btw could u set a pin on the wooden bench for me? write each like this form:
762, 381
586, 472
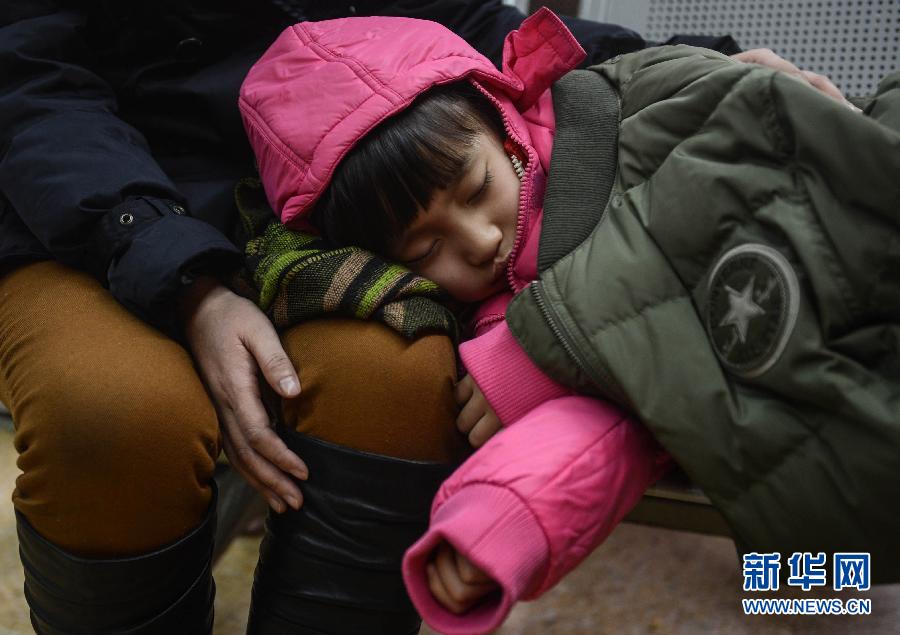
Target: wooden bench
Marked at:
676, 503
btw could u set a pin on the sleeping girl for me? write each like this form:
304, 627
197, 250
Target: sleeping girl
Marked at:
396, 136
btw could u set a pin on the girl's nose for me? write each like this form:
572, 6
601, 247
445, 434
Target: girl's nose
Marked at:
483, 243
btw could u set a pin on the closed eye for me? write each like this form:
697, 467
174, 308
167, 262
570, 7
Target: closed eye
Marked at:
423, 257
488, 177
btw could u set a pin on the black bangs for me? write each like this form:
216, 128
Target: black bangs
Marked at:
382, 183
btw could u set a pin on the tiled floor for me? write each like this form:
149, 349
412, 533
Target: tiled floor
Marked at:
641, 581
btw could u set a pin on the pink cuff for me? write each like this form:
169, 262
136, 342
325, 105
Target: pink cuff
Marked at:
496, 530
510, 381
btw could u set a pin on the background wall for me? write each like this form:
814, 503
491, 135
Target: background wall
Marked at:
854, 42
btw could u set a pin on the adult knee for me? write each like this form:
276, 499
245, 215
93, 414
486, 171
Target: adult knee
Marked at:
116, 464
365, 386
117, 438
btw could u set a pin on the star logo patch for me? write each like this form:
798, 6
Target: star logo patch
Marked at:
742, 309
753, 299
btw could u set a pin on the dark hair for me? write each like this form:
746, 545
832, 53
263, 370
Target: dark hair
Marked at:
380, 185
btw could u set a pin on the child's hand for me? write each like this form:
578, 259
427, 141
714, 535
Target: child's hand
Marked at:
476, 419
455, 582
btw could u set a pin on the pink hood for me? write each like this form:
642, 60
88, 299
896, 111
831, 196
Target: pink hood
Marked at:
322, 86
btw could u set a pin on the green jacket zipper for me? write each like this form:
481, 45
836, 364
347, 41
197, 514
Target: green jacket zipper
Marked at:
598, 375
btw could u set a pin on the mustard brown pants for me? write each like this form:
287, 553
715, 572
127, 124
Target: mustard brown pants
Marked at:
117, 438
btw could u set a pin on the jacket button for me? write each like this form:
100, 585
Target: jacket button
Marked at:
178, 209
126, 219
616, 200
188, 50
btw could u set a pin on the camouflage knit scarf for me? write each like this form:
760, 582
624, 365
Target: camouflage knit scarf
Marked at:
295, 276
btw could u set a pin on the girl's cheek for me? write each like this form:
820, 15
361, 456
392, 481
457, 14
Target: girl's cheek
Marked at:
453, 281
436, 274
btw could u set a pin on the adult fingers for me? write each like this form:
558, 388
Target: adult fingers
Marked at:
252, 463
276, 367
824, 84
268, 448
488, 425
265, 347
272, 499
768, 58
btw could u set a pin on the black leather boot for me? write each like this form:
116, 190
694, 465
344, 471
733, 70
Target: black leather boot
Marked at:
167, 592
334, 566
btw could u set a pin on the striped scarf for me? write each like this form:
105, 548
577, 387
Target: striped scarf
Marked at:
295, 276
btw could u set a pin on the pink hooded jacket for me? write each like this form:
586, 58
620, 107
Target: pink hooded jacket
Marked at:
546, 490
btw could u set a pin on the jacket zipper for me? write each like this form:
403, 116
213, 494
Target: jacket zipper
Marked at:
486, 320
605, 380
599, 376
524, 192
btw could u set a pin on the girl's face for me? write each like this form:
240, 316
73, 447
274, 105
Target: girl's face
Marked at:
463, 239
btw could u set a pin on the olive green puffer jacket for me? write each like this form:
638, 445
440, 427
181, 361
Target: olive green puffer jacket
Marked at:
721, 254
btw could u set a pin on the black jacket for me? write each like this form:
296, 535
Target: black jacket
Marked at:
120, 140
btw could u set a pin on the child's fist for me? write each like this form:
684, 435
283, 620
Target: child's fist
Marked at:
455, 582
476, 419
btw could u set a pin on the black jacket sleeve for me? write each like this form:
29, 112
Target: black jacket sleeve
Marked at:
82, 180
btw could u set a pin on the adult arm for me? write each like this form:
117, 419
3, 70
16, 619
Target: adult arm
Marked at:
85, 186
82, 180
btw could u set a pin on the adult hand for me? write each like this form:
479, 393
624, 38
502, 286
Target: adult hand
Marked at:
768, 58
455, 582
232, 341
476, 419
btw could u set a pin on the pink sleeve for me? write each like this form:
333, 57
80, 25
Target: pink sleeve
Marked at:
533, 503
510, 381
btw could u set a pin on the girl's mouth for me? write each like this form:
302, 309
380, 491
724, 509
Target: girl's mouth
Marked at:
500, 267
